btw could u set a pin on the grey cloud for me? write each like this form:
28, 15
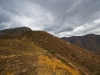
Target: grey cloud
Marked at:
56, 16
2, 26
63, 30
56, 29
91, 29
83, 12
8, 12
4, 16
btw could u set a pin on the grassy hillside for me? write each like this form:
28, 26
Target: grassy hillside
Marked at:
78, 56
40, 53
22, 57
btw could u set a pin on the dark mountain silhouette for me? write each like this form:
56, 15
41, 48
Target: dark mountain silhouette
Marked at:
15, 31
40, 53
90, 42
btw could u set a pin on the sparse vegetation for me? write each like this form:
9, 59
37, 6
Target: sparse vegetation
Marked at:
72, 55
22, 52
52, 51
80, 63
64, 61
1, 70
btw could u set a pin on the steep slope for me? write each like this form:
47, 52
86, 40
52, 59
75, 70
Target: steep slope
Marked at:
40, 53
90, 42
65, 51
23, 57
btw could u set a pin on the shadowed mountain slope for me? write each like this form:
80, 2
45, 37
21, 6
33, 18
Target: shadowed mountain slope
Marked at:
40, 53
90, 42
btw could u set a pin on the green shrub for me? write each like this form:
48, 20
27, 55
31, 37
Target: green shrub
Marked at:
64, 61
81, 63
1, 70
52, 51
72, 55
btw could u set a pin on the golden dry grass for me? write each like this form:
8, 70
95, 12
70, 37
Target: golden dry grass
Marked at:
57, 66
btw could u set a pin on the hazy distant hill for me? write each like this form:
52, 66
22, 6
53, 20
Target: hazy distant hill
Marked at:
90, 42
40, 53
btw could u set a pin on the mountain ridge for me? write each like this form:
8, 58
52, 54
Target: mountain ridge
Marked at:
36, 48
90, 42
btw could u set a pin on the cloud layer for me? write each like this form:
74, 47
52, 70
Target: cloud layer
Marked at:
59, 17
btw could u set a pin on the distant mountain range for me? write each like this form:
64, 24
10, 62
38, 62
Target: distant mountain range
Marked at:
27, 52
90, 42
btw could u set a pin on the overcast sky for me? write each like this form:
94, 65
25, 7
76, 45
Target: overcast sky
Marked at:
58, 17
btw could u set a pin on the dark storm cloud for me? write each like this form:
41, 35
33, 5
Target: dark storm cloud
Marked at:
60, 17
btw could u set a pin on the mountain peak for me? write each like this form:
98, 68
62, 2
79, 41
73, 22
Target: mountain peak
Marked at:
18, 30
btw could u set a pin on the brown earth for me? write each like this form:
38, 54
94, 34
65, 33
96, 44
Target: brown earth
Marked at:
20, 57
79, 57
40, 53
